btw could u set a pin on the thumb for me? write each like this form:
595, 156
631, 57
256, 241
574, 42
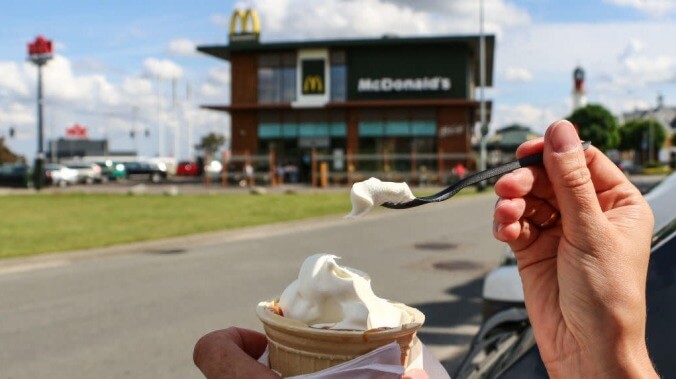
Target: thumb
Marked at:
567, 170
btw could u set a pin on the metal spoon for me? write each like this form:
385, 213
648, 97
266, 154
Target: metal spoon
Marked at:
454, 188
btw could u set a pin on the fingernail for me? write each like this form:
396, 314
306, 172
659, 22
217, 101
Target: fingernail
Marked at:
563, 137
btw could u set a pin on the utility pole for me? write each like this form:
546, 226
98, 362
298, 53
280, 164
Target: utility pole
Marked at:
39, 52
160, 131
174, 112
482, 102
186, 115
134, 127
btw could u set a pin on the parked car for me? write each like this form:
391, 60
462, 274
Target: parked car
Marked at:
629, 167
502, 286
87, 173
15, 175
60, 175
187, 168
112, 170
505, 346
144, 169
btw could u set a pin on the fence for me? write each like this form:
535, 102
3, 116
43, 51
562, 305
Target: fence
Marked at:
323, 170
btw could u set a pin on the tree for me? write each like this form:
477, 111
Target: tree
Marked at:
7, 156
211, 143
636, 133
596, 124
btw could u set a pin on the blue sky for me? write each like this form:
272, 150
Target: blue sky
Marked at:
110, 54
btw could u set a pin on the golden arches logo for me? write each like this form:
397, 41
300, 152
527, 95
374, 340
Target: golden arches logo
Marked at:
242, 17
313, 84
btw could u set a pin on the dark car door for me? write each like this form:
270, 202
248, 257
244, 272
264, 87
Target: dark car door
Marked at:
661, 324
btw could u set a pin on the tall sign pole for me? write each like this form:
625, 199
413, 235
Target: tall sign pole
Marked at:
482, 102
39, 52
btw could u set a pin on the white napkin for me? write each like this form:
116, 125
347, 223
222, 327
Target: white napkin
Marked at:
382, 363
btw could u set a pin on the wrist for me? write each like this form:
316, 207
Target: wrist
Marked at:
632, 362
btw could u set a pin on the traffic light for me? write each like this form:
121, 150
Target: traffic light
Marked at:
132, 134
11, 132
147, 133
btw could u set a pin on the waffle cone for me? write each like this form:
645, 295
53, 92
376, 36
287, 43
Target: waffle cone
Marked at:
296, 349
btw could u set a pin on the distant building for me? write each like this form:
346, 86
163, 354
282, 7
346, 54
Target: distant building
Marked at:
503, 144
64, 149
387, 97
579, 93
666, 116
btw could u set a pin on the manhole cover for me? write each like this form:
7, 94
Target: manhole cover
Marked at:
435, 246
456, 265
167, 251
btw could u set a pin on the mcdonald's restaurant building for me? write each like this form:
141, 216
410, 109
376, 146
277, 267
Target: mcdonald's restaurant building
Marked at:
380, 97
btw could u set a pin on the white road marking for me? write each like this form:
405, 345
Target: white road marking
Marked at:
32, 266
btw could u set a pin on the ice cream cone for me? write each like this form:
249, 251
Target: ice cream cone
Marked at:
296, 349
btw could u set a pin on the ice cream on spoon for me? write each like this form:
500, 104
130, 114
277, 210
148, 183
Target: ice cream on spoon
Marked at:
373, 192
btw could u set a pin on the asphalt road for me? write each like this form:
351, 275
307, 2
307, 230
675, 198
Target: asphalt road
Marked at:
139, 314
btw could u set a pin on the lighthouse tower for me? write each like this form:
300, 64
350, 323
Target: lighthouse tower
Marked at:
579, 95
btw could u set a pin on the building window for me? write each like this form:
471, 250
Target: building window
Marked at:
274, 125
398, 124
277, 78
338, 76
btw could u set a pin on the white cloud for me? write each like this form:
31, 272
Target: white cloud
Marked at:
518, 74
162, 68
106, 107
641, 68
653, 8
211, 91
17, 114
538, 118
182, 46
137, 86
220, 75
305, 19
11, 80
651, 69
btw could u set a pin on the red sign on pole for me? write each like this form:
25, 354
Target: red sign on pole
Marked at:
76, 131
40, 46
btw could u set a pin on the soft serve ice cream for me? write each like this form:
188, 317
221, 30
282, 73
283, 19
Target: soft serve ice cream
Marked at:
330, 316
372, 192
327, 295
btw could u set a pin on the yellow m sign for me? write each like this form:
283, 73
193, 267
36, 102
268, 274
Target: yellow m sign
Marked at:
313, 84
243, 18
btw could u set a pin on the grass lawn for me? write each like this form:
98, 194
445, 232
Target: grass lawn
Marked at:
34, 224
43, 223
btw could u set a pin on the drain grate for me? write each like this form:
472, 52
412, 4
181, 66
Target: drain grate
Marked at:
435, 246
167, 251
459, 265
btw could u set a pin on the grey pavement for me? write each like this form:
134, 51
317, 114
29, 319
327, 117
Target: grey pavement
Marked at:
136, 311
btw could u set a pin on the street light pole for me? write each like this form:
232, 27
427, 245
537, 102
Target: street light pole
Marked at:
482, 101
39, 52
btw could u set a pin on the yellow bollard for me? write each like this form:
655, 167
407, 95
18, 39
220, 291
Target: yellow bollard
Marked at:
324, 174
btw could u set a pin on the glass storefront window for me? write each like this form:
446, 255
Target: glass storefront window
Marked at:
338, 76
371, 129
277, 78
338, 83
423, 128
269, 130
289, 130
338, 129
398, 128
